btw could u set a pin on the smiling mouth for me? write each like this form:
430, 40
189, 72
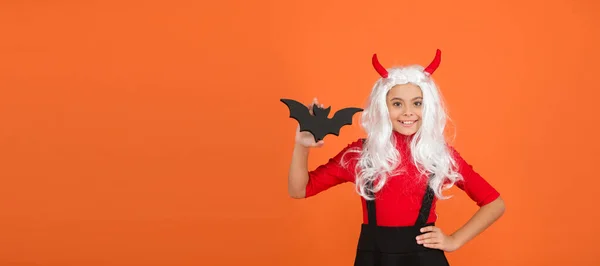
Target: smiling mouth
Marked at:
408, 123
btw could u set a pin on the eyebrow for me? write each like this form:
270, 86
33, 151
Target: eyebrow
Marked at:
398, 98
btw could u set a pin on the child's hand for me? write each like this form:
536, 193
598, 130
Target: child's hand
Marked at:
433, 237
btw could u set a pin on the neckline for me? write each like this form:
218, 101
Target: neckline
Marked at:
401, 138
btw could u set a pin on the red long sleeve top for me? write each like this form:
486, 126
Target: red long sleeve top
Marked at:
399, 201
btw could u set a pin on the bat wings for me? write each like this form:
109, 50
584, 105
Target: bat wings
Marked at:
320, 124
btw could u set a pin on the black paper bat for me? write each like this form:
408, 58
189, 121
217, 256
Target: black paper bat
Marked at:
320, 124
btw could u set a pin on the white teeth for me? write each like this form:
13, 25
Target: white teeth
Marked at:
407, 122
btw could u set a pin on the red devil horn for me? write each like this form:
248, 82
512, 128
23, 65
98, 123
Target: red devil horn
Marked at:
435, 63
380, 69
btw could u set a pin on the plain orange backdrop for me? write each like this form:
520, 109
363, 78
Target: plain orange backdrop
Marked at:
151, 132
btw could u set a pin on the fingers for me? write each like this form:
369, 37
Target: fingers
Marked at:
432, 240
436, 239
310, 106
426, 236
319, 144
434, 236
314, 102
436, 246
430, 228
317, 103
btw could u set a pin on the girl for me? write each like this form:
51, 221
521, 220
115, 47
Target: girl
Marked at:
400, 170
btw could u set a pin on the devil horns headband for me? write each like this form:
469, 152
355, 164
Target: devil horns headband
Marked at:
428, 70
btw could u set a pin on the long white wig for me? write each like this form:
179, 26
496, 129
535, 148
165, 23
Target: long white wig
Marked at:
379, 159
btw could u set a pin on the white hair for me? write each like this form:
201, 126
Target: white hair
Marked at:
379, 159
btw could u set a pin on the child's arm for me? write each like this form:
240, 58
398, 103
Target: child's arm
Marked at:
481, 220
303, 183
487, 197
491, 208
298, 174
433, 237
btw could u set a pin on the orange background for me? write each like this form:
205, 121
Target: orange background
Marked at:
146, 133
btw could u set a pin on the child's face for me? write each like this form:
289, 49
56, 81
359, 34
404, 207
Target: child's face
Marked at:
404, 104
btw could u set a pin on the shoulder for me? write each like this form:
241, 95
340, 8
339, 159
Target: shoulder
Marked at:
454, 153
356, 144
352, 149
475, 185
451, 149
458, 162
464, 168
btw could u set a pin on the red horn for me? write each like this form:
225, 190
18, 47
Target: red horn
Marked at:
435, 63
380, 69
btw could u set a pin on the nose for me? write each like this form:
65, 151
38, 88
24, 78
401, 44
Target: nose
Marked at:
407, 112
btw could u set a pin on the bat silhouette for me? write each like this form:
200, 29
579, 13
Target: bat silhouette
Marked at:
320, 124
